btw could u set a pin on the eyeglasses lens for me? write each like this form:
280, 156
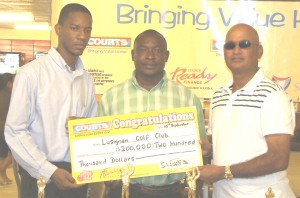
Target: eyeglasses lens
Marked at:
229, 45
242, 44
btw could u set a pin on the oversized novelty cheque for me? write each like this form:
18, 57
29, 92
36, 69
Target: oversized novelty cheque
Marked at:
150, 143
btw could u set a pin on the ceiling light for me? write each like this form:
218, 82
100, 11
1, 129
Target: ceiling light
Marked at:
33, 26
14, 17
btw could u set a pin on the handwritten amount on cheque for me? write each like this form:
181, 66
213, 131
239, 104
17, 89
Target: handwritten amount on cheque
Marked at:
123, 148
153, 145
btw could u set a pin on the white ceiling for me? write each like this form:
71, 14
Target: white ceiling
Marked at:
41, 10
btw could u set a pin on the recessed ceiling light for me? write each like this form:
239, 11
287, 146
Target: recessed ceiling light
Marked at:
33, 26
15, 17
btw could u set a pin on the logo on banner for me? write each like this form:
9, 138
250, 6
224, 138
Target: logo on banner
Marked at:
216, 45
283, 82
109, 42
91, 127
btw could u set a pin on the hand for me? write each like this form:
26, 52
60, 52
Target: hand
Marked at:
211, 173
206, 147
74, 118
64, 180
70, 118
113, 184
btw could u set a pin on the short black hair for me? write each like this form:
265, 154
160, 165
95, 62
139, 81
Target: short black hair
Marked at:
69, 8
5, 78
151, 32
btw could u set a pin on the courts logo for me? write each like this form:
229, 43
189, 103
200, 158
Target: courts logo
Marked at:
91, 127
216, 45
109, 42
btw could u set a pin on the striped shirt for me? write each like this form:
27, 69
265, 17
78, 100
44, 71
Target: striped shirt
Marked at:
248, 97
239, 122
129, 97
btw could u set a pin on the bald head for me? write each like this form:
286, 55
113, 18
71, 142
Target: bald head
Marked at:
242, 29
242, 50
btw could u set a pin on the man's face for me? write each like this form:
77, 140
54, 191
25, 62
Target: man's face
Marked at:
244, 57
74, 33
150, 55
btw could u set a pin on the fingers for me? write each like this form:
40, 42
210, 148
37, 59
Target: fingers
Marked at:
113, 184
73, 118
69, 178
70, 118
64, 180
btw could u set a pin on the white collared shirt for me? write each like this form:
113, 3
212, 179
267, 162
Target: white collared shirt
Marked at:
239, 122
45, 93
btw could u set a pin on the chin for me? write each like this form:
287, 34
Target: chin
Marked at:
78, 52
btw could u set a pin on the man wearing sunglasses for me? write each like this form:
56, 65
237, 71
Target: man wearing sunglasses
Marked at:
251, 122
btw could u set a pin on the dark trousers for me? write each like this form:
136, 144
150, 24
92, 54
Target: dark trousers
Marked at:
29, 186
133, 193
3, 146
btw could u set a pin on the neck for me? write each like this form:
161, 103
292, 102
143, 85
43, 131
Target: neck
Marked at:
69, 59
241, 79
238, 83
148, 83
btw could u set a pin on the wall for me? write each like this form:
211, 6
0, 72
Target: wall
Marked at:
25, 34
28, 42
29, 49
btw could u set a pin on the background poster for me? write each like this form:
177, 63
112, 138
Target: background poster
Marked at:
195, 32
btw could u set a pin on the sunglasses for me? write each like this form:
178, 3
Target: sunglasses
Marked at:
230, 45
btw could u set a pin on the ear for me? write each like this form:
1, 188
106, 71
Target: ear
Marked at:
167, 55
58, 28
132, 54
260, 51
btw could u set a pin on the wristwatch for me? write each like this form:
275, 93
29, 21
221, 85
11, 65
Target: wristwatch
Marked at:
228, 175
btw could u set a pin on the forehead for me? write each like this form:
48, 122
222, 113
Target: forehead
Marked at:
150, 39
79, 17
242, 32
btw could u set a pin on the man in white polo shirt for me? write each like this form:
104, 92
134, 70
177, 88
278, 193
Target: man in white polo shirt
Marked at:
252, 120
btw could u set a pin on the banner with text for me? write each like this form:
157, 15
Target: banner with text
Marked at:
195, 31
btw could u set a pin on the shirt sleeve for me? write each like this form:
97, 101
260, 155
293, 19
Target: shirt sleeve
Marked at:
201, 123
278, 116
209, 127
93, 110
101, 107
105, 104
22, 145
